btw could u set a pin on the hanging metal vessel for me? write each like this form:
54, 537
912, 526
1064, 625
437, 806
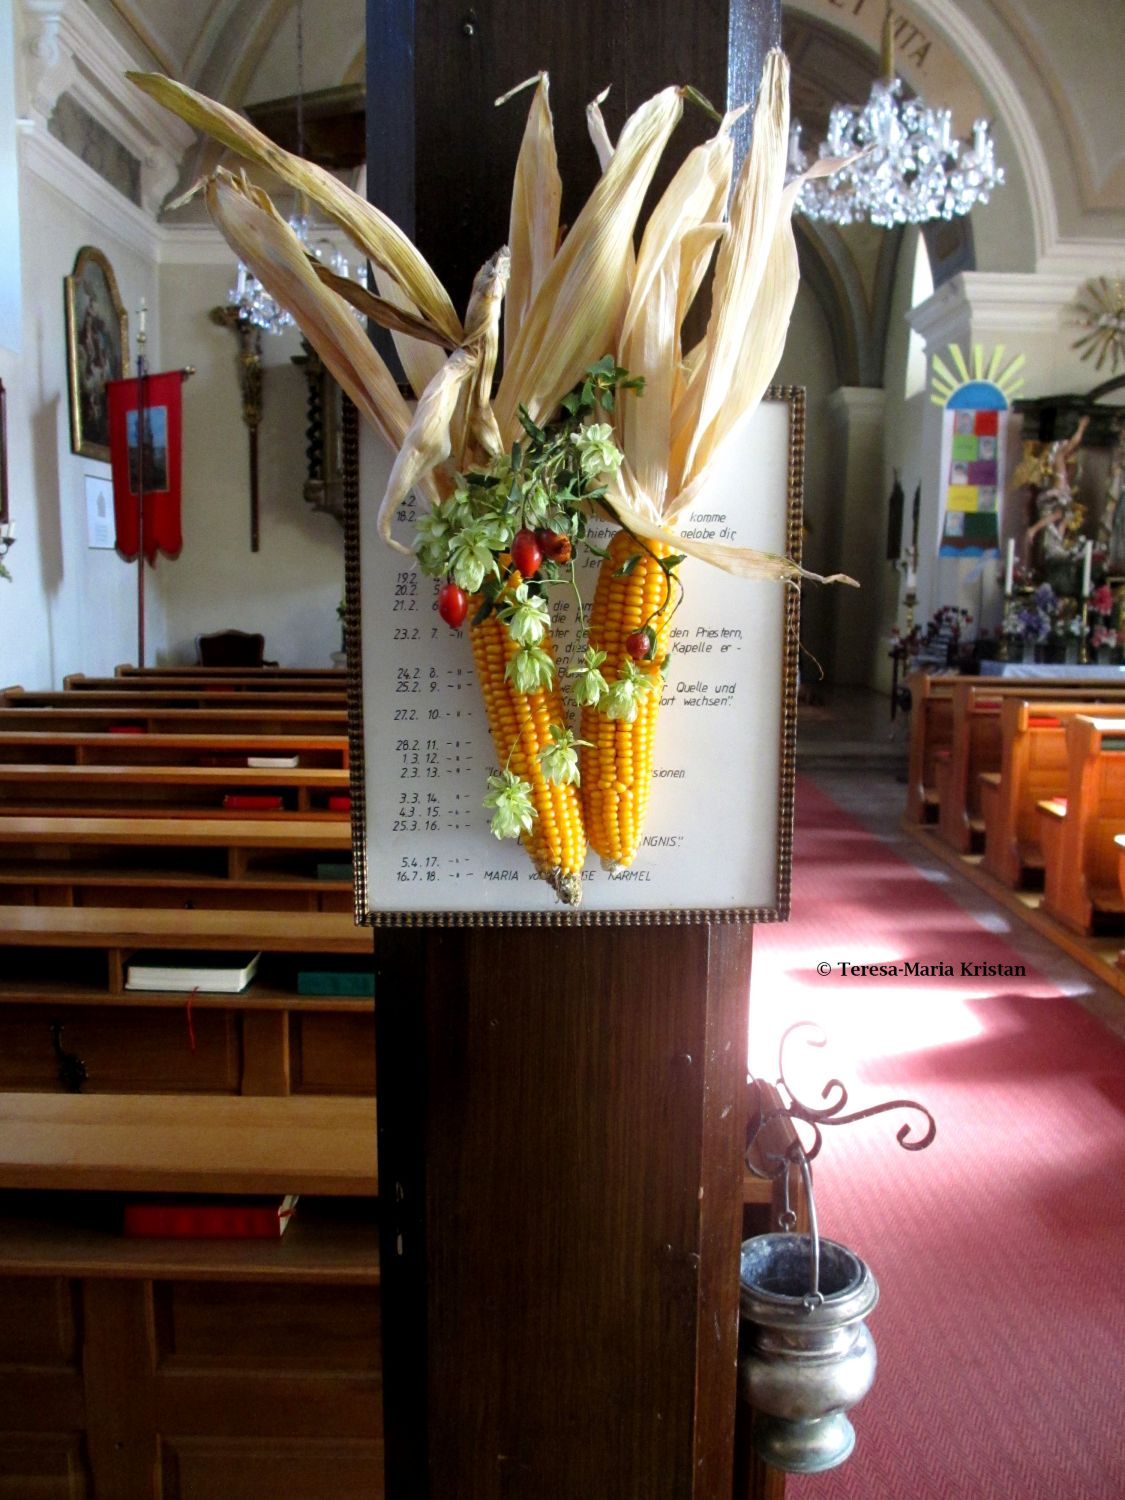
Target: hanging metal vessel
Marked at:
811, 1357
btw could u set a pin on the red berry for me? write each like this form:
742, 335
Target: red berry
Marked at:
526, 555
553, 544
453, 604
638, 645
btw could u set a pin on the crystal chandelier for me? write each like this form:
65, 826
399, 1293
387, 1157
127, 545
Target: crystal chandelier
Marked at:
253, 303
905, 166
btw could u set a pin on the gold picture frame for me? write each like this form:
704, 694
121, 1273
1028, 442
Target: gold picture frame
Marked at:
97, 349
786, 503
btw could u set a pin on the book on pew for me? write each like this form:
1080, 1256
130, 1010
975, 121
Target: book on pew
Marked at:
186, 970
274, 762
340, 803
253, 801
197, 1218
339, 977
330, 869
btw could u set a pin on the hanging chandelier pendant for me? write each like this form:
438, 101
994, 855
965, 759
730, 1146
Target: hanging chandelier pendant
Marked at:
903, 163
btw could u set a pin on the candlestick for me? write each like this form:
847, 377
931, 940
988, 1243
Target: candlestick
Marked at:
915, 518
1087, 567
1009, 566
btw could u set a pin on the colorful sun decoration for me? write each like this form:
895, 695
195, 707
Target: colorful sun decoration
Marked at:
968, 384
1100, 309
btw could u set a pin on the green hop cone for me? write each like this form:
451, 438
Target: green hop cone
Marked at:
530, 669
559, 759
509, 800
624, 696
597, 452
526, 617
590, 686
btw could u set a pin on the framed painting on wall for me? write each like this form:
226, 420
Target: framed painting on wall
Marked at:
97, 349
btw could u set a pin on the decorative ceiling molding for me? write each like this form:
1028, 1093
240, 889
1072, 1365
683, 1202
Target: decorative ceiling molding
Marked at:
66, 49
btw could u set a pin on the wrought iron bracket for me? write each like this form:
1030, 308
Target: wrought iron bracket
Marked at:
831, 1113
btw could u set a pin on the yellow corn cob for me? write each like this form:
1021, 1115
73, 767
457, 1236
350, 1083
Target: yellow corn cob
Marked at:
520, 724
617, 766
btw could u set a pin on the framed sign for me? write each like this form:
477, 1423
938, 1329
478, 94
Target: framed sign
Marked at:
97, 349
716, 843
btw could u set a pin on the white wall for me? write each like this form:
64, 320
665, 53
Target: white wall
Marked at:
69, 608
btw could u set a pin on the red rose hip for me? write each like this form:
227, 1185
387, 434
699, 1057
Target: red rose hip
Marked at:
553, 545
638, 645
453, 604
526, 555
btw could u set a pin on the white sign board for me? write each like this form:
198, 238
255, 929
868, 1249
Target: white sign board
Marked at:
101, 526
717, 828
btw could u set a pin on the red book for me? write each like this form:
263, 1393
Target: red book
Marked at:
127, 729
340, 804
209, 1218
259, 801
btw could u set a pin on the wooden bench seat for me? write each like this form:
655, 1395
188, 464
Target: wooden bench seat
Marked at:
121, 928
187, 1144
163, 698
163, 790
204, 678
263, 719
1033, 767
1078, 836
98, 747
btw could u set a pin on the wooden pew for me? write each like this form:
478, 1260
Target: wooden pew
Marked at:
243, 682
1033, 768
195, 670
99, 747
1080, 855
975, 745
931, 728
67, 968
190, 697
153, 788
270, 720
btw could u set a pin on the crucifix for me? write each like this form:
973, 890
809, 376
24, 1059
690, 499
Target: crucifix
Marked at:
250, 382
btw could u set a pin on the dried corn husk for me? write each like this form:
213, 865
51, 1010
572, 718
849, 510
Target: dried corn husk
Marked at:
262, 238
372, 233
574, 316
533, 229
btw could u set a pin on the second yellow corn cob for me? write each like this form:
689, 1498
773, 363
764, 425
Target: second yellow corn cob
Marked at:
617, 764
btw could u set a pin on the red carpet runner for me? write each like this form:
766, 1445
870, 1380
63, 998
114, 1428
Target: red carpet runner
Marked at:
1001, 1326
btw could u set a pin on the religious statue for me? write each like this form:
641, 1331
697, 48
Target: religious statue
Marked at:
1113, 513
1053, 538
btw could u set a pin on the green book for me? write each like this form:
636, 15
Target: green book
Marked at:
335, 982
334, 870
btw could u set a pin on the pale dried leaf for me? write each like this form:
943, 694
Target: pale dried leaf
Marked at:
574, 317
261, 238
533, 230
428, 442
371, 231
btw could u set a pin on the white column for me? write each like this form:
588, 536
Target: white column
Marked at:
858, 505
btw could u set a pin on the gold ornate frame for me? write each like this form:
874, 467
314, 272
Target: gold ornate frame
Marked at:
794, 397
80, 440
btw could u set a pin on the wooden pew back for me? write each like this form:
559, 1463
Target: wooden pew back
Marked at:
1083, 877
1033, 767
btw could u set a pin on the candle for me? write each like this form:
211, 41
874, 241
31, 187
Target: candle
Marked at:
1087, 565
141, 324
1009, 565
911, 578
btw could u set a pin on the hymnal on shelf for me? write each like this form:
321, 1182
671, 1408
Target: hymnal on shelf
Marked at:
172, 969
208, 1218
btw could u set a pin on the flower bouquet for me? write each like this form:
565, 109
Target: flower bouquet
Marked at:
599, 412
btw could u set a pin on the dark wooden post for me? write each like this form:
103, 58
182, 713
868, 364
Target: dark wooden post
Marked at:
560, 1112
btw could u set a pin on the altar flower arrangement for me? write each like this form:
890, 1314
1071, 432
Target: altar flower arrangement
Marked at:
599, 410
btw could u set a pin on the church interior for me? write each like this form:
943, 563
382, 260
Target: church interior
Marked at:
455, 1207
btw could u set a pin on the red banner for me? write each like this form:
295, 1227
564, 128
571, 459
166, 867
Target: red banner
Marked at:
153, 445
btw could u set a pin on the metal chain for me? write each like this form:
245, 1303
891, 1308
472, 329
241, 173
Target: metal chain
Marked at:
300, 77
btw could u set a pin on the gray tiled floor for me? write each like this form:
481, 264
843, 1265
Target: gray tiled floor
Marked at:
855, 755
